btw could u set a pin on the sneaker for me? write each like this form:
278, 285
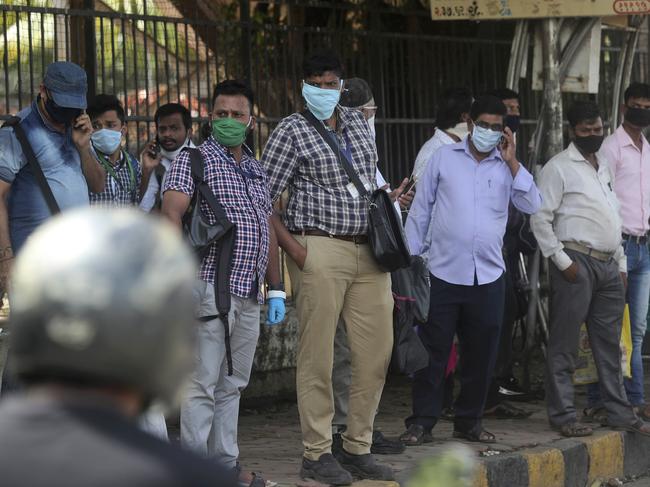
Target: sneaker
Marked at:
364, 466
383, 446
325, 470
509, 387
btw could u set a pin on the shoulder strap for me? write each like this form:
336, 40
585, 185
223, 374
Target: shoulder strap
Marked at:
329, 140
14, 123
196, 161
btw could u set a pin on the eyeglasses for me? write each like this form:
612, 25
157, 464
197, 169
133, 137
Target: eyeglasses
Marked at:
496, 127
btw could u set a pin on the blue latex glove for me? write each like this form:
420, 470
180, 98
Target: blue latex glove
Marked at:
275, 311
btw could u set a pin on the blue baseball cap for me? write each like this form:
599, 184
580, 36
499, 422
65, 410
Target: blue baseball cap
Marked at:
67, 83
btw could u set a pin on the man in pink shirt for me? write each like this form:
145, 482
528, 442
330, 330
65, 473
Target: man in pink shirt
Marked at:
628, 153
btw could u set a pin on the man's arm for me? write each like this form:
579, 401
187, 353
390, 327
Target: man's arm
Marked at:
287, 242
93, 171
417, 224
273, 268
174, 206
6, 252
148, 163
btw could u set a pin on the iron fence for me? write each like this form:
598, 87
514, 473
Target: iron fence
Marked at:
148, 55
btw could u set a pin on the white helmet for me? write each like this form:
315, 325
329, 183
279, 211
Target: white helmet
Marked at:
104, 297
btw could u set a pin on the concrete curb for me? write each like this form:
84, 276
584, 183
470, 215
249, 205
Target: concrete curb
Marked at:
569, 463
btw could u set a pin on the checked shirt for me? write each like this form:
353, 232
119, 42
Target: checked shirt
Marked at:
297, 157
123, 191
243, 192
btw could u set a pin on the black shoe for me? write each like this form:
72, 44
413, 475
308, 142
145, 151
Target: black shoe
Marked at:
509, 387
325, 470
337, 443
383, 446
364, 466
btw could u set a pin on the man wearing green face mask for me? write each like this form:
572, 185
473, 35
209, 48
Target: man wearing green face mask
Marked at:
210, 411
333, 271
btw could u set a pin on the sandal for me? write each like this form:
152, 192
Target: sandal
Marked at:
254, 480
505, 410
574, 429
639, 427
482, 436
643, 412
415, 435
594, 415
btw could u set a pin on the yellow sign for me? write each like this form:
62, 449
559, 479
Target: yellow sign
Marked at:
523, 9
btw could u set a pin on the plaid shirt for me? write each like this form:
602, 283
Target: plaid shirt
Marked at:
243, 192
297, 156
121, 190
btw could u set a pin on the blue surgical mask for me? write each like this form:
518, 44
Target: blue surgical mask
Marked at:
106, 141
321, 102
485, 139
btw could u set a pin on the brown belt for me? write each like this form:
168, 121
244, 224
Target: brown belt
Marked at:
596, 254
357, 239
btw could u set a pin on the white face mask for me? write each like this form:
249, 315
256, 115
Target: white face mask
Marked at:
171, 155
460, 130
371, 124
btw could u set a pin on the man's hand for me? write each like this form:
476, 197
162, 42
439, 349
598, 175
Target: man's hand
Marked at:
624, 279
82, 129
404, 199
275, 311
300, 256
571, 272
148, 160
508, 151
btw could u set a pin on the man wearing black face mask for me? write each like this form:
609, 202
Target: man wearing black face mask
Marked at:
579, 228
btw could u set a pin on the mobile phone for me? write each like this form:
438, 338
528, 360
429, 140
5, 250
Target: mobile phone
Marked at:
408, 187
155, 149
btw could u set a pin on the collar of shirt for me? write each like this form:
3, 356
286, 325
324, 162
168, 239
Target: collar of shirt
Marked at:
46, 123
576, 156
623, 139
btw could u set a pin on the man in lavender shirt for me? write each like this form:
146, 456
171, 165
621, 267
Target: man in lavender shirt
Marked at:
464, 195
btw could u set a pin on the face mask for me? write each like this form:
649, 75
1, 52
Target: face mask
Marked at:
460, 130
639, 117
371, 124
106, 141
171, 155
513, 122
321, 102
59, 114
485, 139
229, 132
590, 144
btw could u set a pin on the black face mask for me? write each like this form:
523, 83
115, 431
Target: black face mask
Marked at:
59, 114
590, 144
513, 122
639, 117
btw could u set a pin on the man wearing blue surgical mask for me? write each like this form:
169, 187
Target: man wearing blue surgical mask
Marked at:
464, 194
333, 272
123, 172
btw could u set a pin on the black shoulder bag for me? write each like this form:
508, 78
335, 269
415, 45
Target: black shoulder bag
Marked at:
14, 123
202, 235
385, 231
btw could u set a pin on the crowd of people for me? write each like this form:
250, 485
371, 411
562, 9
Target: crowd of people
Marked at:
102, 302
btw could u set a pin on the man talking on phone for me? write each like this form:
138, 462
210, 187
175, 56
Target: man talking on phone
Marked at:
58, 131
464, 194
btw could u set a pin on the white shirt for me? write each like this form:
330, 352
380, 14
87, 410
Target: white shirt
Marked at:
381, 182
153, 187
578, 205
439, 139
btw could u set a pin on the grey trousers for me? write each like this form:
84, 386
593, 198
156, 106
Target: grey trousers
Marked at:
153, 422
341, 378
597, 298
210, 411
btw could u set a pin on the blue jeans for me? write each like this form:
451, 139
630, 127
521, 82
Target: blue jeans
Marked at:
638, 295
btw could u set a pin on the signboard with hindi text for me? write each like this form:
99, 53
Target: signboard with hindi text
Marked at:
529, 9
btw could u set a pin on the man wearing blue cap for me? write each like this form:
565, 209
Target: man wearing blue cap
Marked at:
58, 131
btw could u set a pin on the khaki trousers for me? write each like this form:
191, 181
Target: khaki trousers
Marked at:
340, 279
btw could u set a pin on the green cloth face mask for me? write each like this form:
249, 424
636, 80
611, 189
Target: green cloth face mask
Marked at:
229, 132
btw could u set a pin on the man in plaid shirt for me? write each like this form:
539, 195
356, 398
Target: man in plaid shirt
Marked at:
210, 412
333, 272
123, 172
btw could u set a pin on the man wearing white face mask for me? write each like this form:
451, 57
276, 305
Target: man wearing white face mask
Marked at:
173, 133
464, 195
123, 172
333, 271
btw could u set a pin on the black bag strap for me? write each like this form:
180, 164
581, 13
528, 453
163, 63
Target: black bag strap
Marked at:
329, 139
198, 168
14, 123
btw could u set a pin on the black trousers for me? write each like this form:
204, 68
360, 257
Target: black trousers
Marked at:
475, 314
